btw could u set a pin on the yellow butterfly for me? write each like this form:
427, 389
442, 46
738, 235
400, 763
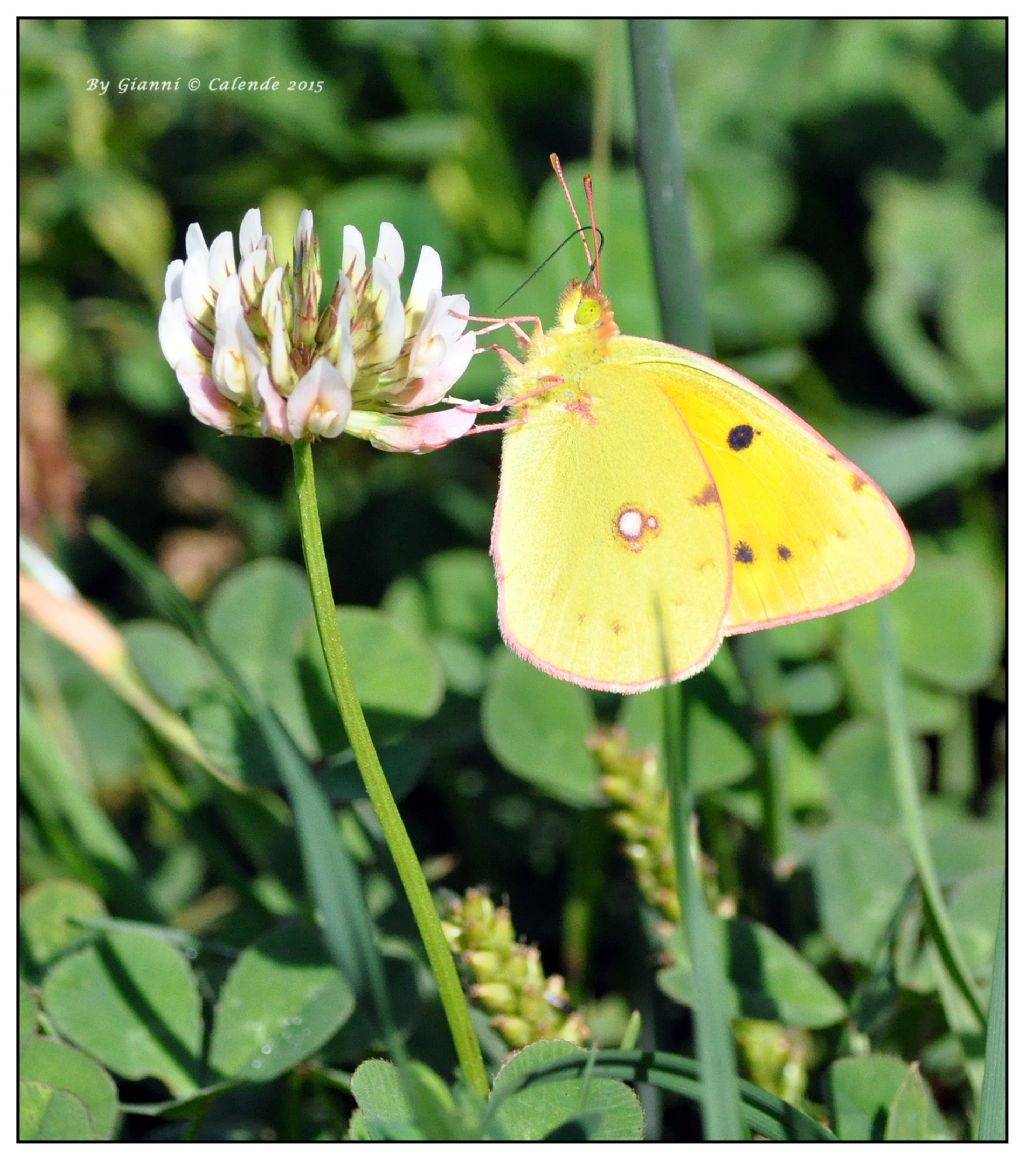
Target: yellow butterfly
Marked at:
653, 501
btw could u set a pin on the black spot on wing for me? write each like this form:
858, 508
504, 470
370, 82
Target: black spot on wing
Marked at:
741, 436
783, 552
743, 553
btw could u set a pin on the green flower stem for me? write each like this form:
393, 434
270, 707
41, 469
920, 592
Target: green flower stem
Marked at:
414, 883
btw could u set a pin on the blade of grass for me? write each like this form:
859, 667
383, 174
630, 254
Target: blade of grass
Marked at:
936, 915
684, 323
333, 879
762, 680
660, 153
75, 824
991, 1125
684, 320
716, 1050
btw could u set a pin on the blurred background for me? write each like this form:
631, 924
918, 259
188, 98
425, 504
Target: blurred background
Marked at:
849, 192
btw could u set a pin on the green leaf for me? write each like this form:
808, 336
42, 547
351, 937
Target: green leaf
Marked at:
282, 999
765, 976
224, 728
806, 640
406, 602
857, 776
259, 616
63, 1069
949, 622
385, 1113
397, 675
929, 709
914, 458
961, 843
922, 239
972, 317
973, 912
462, 592
583, 1108
552, 751
403, 761
861, 876
28, 1015
131, 222
914, 835
46, 1113
775, 299
168, 661
862, 1090
132, 1002
47, 918
812, 689
464, 664
913, 1115
394, 670
361, 1032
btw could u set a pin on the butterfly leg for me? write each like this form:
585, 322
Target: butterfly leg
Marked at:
512, 323
494, 428
506, 356
474, 407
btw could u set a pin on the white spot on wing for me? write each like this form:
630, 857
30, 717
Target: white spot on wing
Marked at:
633, 526
630, 524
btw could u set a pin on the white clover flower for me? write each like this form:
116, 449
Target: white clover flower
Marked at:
255, 354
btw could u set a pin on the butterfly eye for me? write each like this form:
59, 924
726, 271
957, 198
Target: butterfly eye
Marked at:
587, 312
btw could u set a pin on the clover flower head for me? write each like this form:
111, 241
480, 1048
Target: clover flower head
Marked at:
256, 355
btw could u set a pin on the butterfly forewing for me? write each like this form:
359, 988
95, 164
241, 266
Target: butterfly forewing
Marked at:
809, 533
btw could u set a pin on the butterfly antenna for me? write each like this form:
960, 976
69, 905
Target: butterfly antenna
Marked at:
557, 250
557, 166
588, 185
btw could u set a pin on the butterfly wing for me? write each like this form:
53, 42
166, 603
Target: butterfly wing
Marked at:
605, 543
809, 532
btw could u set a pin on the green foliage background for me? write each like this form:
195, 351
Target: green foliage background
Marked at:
848, 182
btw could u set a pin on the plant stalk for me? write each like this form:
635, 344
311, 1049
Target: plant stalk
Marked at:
377, 788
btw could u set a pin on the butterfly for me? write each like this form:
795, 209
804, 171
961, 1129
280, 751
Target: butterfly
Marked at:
653, 501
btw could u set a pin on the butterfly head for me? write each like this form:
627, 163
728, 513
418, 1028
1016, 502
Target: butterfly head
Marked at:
586, 312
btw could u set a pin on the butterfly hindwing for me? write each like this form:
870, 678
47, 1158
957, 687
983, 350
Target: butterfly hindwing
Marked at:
607, 543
